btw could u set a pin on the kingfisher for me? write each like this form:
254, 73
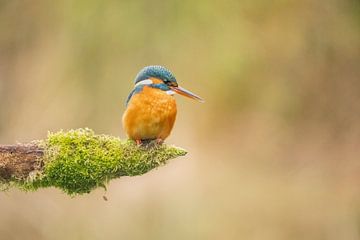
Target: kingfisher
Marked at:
151, 107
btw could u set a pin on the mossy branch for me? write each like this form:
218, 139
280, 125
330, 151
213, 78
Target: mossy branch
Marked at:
78, 161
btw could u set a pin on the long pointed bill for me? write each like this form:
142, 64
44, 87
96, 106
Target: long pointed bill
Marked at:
186, 93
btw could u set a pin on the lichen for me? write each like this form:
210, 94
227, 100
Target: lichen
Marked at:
79, 161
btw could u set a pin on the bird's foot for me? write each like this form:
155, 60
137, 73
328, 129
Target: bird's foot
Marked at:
159, 141
149, 142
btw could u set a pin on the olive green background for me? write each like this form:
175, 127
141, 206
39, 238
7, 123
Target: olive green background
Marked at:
273, 153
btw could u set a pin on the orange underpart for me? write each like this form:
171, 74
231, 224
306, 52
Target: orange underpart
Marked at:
150, 114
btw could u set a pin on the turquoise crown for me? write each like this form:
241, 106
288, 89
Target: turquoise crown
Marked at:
155, 72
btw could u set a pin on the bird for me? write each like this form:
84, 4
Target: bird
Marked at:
151, 107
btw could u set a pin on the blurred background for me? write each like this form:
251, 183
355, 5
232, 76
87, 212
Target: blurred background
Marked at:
273, 153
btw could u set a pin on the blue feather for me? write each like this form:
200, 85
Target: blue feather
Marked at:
157, 72
136, 90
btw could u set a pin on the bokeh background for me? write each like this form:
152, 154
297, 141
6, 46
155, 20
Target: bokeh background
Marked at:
273, 153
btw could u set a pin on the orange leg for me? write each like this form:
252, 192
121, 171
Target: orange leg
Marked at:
159, 141
138, 141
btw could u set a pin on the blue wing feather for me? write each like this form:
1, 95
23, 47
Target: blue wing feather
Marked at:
133, 92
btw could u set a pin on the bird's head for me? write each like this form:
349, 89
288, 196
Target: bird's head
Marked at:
163, 79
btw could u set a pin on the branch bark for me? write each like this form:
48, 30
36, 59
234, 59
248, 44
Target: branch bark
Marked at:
17, 161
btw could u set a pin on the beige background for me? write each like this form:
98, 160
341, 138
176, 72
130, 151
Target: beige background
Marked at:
273, 153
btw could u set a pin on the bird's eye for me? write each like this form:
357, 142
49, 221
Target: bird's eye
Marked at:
170, 83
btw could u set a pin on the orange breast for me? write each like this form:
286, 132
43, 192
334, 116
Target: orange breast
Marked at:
150, 114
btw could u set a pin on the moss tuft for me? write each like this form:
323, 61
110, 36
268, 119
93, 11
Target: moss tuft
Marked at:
79, 160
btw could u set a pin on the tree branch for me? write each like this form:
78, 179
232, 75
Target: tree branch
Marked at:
78, 161
17, 161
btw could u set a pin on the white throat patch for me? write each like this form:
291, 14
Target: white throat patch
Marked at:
170, 92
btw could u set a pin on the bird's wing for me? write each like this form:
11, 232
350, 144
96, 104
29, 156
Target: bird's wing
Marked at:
136, 90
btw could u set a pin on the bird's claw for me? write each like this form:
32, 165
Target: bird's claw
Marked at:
140, 142
159, 141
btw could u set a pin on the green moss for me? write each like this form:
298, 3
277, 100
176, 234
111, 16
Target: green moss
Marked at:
79, 161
